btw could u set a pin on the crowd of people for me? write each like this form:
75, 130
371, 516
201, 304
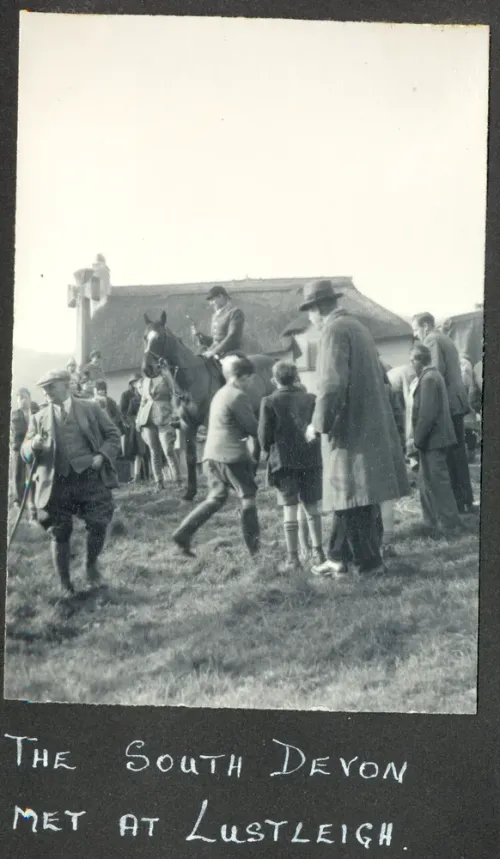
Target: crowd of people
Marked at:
353, 448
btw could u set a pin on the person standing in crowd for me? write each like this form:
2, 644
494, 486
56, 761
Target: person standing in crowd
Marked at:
227, 326
72, 369
94, 370
433, 435
76, 445
401, 379
154, 421
362, 461
387, 508
108, 404
19, 423
86, 390
227, 459
294, 465
471, 423
444, 356
133, 445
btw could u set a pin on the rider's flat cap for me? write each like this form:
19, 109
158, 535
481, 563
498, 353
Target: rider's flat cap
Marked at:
53, 376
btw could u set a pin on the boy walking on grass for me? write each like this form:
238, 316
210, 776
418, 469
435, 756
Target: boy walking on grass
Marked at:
227, 459
294, 464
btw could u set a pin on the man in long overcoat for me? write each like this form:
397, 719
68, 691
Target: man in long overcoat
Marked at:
445, 358
76, 445
363, 464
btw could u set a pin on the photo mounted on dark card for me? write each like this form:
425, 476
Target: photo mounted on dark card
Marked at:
250, 599
246, 441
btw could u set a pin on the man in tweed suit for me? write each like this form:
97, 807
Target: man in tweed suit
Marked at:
75, 444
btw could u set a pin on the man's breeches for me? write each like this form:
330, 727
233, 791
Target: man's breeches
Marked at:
83, 495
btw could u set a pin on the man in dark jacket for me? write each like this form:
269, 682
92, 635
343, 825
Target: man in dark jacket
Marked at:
433, 435
227, 459
75, 444
294, 465
445, 358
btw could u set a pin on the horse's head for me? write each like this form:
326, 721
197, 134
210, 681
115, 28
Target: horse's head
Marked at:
155, 345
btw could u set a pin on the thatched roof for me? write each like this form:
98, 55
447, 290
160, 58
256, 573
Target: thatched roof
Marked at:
117, 326
382, 323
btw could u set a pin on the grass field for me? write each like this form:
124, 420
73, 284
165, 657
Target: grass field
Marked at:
220, 630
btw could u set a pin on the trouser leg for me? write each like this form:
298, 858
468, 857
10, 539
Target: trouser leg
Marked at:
363, 536
150, 435
338, 546
445, 506
18, 476
250, 525
427, 500
458, 467
167, 441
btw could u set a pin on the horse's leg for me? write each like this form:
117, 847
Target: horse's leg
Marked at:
191, 461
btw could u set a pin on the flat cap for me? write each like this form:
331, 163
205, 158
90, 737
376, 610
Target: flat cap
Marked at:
53, 376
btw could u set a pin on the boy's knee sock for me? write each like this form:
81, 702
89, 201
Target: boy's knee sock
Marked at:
304, 537
291, 529
315, 529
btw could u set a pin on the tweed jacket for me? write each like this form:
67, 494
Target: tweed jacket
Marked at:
284, 418
156, 402
363, 462
431, 417
445, 358
95, 425
231, 421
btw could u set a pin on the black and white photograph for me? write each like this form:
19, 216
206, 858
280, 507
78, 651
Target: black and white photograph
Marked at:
246, 410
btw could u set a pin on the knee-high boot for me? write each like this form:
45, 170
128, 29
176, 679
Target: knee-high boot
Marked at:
251, 529
183, 535
95, 545
61, 560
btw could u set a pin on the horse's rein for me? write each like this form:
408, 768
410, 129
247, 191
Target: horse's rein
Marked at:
172, 372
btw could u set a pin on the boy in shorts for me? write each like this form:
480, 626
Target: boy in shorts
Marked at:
294, 465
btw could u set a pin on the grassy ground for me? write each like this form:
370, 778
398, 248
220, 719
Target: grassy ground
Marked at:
222, 631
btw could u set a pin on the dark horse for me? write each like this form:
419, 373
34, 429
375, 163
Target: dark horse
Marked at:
196, 380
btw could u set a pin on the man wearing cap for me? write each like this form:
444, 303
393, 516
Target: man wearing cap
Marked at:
363, 464
227, 326
75, 444
446, 359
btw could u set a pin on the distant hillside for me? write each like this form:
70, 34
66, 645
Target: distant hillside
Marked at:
28, 365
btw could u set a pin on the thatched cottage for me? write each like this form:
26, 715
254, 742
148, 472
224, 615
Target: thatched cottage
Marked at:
115, 323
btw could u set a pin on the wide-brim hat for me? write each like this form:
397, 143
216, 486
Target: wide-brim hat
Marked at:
53, 376
215, 291
318, 290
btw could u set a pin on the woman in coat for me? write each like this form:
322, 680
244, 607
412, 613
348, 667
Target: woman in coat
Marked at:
154, 421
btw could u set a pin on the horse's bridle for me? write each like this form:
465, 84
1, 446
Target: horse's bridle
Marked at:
173, 371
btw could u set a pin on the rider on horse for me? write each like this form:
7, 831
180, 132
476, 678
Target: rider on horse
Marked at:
226, 329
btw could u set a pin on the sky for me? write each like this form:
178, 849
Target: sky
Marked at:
192, 149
